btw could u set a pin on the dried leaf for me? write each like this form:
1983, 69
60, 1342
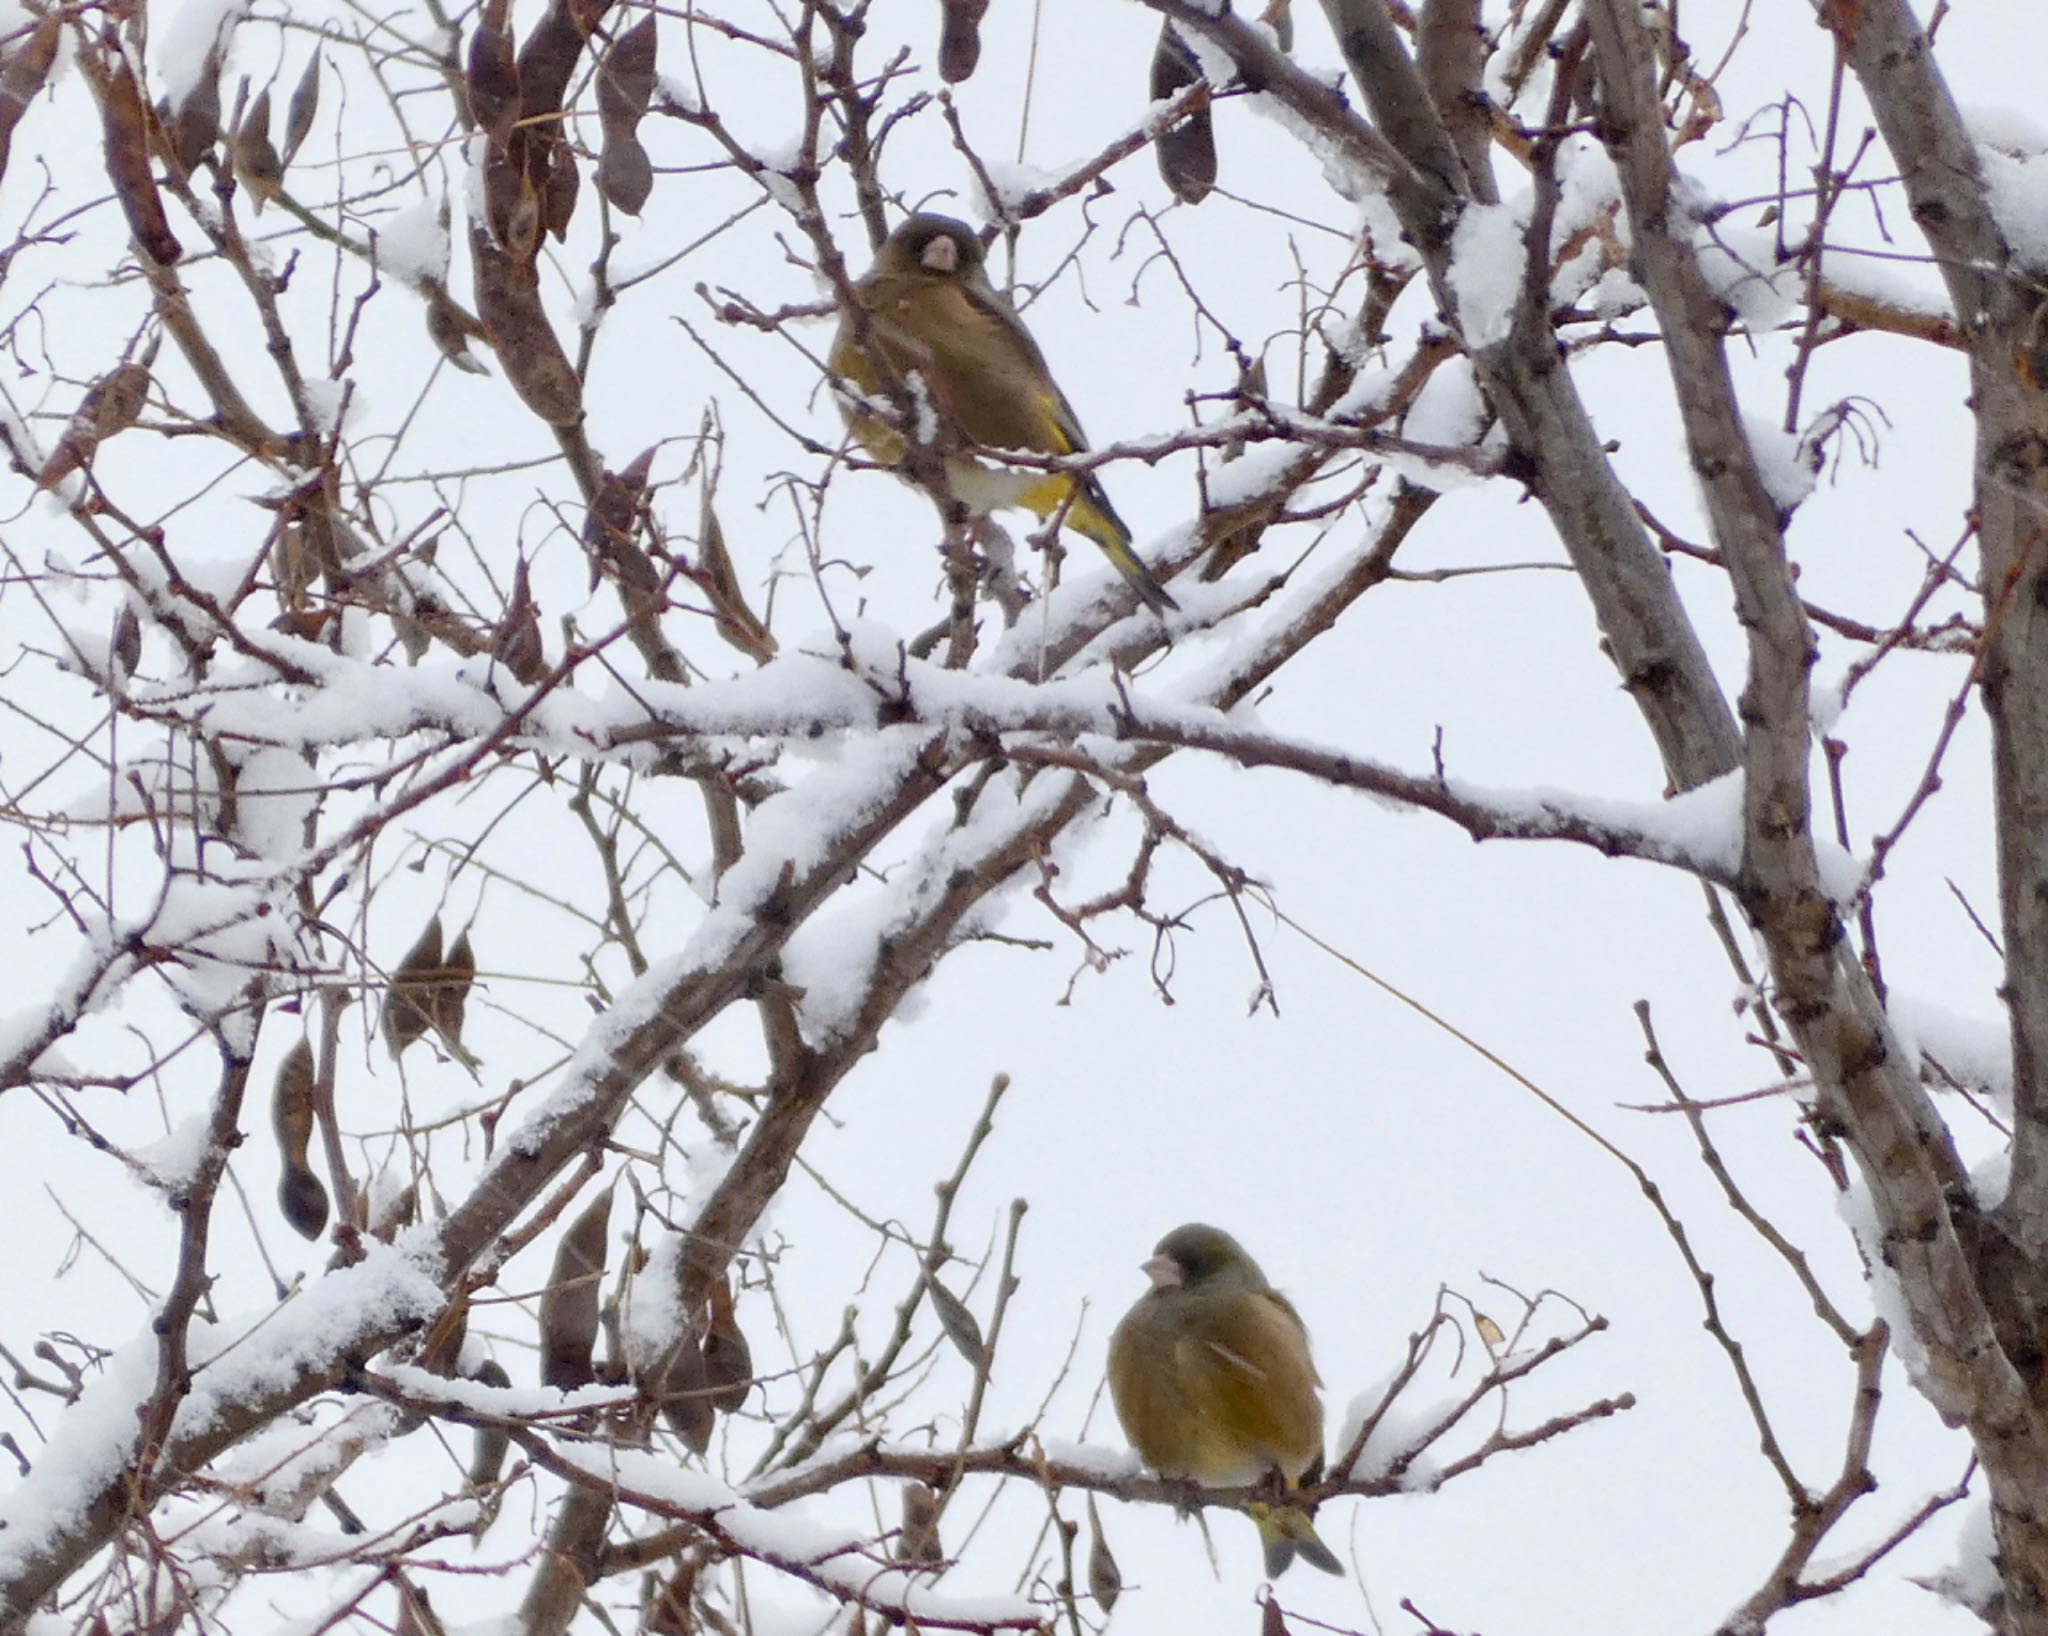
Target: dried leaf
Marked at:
958, 1323
24, 69
1105, 1579
517, 644
124, 119
918, 1539
406, 1016
1490, 1335
300, 112
959, 38
257, 165
728, 1360
568, 1306
1270, 1621
1187, 152
487, 1459
416, 1616
737, 621
492, 83
299, 1193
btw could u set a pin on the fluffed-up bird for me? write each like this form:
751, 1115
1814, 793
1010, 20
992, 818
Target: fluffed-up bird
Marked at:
932, 313
1211, 1377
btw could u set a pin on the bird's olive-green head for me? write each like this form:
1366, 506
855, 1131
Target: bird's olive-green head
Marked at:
1198, 1256
937, 246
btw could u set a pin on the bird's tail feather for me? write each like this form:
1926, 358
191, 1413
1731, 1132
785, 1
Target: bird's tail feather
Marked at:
1286, 1534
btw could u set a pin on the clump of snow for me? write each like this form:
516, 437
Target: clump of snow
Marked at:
1783, 462
2006, 129
179, 53
172, 1162
1488, 263
2017, 191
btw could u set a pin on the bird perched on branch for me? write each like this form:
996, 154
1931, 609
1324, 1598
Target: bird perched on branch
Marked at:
1211, 1378
932, 314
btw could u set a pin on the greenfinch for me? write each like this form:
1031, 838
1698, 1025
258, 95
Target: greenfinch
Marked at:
1211, 1378
932, 314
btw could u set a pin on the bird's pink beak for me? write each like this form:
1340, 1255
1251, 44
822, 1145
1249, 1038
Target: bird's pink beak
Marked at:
1164, 1272
942, 255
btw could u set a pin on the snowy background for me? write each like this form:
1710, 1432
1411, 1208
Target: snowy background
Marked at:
1365, 1155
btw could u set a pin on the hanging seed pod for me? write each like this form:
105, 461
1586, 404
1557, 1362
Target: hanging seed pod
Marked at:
669, 1609
406, 998
449, 997
492, 82
728, 1360
568, 1306
299, 1194
451, 329
958, 1323
125, 650
257, 166
685, 1402
959, 38
24, 69
195, 123
516, 644
1105, 1579
1187, 152
487, 1459
124, 119
111, 405
625, 85
416, 1616
301, 110
918, 1539
509, 304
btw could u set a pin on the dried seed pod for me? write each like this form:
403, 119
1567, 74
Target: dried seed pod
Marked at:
959, 38
625, 175
406, 1015
728, 1360
24, 69
958, 1323
918, 1539
568, 1306
625, 79
552, 165
257, 165
516, 644
450, 328
508, 301
1105, 1579
301, 110
299, 1193
685, 1403
124, 120
125, 649
1187, 152
492, 82
448, 999
416, 1616
111, 405
669, 1609
487, 1458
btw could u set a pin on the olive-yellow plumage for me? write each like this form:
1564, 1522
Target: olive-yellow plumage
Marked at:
932, 313
1211, 1376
